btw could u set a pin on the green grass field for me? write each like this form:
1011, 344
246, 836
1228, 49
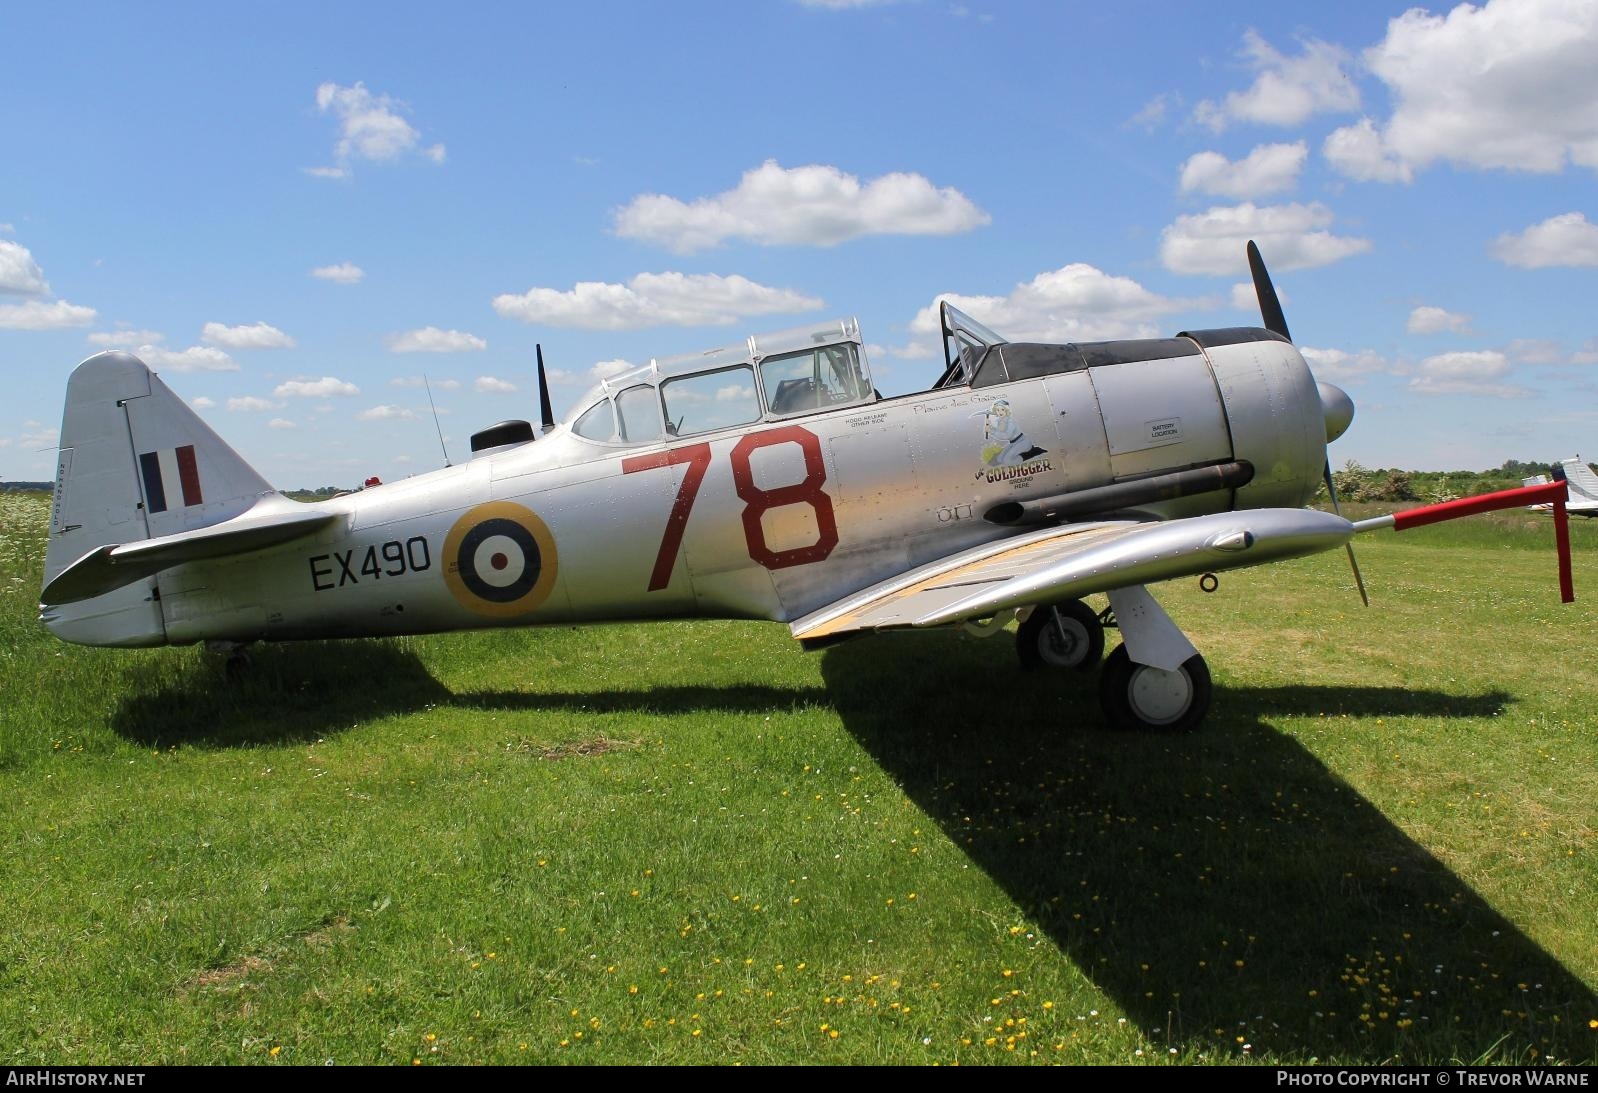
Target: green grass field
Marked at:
695, 843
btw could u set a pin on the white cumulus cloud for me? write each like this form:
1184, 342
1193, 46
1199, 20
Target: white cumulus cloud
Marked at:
20, 275
281, 423
253, 404
118, 339
493, 385
196, 358
42, 315
1286, 90
387, 412
1537, 351
1245, 298
430, 339
1587, 354
1289, 237
325, 387
1340, 366
345, 273
254, 336
1508, 84
202, 402
1436, 320
1077, 302
420, 381
1566, 240
370, 128
605, 369
1360, 152
653, 299
1466, 373
816, 205
1268, 169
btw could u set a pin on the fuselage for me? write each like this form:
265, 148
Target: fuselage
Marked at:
765, 519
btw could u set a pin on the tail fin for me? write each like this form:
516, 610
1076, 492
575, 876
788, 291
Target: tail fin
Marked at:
135, 463
1583, 482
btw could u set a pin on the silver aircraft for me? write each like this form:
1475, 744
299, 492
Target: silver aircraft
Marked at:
762, 480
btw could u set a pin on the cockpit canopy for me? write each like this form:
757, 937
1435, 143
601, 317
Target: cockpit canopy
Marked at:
770, 377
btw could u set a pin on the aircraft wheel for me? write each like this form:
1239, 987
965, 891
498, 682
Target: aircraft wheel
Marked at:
1137, 696
1063, 635
237, 665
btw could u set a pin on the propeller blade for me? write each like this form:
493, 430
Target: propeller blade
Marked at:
1353, 563
543, 394
1270, 306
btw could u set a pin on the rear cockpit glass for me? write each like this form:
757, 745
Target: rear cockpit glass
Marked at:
639, 408
711, 400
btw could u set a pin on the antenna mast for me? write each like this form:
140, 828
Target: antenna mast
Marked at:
436, 425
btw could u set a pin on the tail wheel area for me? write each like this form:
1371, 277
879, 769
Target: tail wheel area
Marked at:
1064, 635
1140, 696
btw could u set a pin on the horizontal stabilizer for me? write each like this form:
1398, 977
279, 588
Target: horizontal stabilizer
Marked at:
113, 565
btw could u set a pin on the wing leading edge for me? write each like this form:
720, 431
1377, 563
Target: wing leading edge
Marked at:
1073, 561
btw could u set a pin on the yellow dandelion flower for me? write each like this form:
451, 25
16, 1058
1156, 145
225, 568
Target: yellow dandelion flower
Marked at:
275, 1052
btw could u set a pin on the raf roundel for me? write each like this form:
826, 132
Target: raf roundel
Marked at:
499, 560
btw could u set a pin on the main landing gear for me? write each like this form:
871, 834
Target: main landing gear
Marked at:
1154, 679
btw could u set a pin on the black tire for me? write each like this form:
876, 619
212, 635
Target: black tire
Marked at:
1137, 696
1066, 636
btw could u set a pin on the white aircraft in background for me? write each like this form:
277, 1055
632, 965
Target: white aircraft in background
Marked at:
1583, 483
763, 480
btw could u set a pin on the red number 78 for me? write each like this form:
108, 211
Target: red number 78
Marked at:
757, 501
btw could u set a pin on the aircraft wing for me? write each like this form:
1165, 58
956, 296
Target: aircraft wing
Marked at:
116, 564
1073, 561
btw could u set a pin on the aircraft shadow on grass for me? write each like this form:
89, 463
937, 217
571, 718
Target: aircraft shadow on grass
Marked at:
298, 691
291, 692
1217, 885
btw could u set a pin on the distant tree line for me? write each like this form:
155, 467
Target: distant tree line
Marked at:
321, 493
1357, 483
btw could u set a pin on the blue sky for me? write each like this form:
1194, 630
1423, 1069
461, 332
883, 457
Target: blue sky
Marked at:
294, 211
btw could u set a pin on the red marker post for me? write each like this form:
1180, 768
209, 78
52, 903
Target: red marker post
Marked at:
1553, 493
